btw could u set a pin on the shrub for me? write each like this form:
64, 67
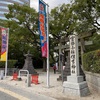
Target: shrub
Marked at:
10, 63
91, 61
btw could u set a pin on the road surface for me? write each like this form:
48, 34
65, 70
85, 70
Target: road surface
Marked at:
4, 96
16, 93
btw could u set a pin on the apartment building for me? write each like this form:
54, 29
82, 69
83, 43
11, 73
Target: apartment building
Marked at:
4, 6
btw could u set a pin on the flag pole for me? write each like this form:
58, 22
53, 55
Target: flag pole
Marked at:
7, 54
47, 36
48, 73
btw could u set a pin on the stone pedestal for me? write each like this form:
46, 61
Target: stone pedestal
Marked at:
75, 86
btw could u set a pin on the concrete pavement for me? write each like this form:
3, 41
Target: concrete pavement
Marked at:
4, 96
40, 91
22, 94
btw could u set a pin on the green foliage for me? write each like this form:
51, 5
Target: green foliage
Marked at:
3, 23
91, 61
10, 63
96, 43
62, 21
80, 16
23, 24
2, 64
88, 14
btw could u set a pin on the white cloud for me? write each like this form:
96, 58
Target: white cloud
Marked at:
51, 3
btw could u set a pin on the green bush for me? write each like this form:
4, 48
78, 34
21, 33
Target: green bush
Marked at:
10, 63
91, 61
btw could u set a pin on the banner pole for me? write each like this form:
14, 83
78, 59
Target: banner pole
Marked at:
45, 50
7, 54
48, 73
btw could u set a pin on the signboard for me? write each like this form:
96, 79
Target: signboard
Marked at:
42, 28
3, 43
74, 57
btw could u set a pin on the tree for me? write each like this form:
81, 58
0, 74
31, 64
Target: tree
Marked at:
25, 18
80, 16
61, 24
96, 43
88, 13
23, 24
3, 23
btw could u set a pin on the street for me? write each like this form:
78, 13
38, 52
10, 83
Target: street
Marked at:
19, 93
4, 96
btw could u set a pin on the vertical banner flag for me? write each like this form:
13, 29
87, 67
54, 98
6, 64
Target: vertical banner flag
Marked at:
3, 43
42, 28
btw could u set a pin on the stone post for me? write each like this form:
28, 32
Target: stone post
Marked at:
75, 84
28, 80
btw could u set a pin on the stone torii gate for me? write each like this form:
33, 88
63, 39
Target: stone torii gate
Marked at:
81, 37
66, 47
60, 47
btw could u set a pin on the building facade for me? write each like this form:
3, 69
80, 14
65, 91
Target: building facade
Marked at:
4, 6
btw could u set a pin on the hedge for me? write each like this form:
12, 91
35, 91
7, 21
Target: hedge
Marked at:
10, 63
91, 61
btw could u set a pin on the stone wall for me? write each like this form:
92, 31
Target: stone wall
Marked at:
93, 80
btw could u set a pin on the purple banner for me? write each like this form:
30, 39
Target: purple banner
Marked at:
3, 43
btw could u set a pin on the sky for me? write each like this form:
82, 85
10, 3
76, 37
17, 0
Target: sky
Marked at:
52, 3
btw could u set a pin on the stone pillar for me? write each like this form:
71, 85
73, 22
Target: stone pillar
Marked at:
59, 67
75, 84
66, 71
28, 80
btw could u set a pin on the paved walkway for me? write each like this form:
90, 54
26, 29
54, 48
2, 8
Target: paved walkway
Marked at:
55, 91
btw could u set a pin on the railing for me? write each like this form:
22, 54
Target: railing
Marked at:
28, 77
19, 74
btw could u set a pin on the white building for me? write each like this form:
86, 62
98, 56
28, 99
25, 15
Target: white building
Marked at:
4, 6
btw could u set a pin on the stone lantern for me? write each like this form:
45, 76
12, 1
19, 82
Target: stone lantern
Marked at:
28, 65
